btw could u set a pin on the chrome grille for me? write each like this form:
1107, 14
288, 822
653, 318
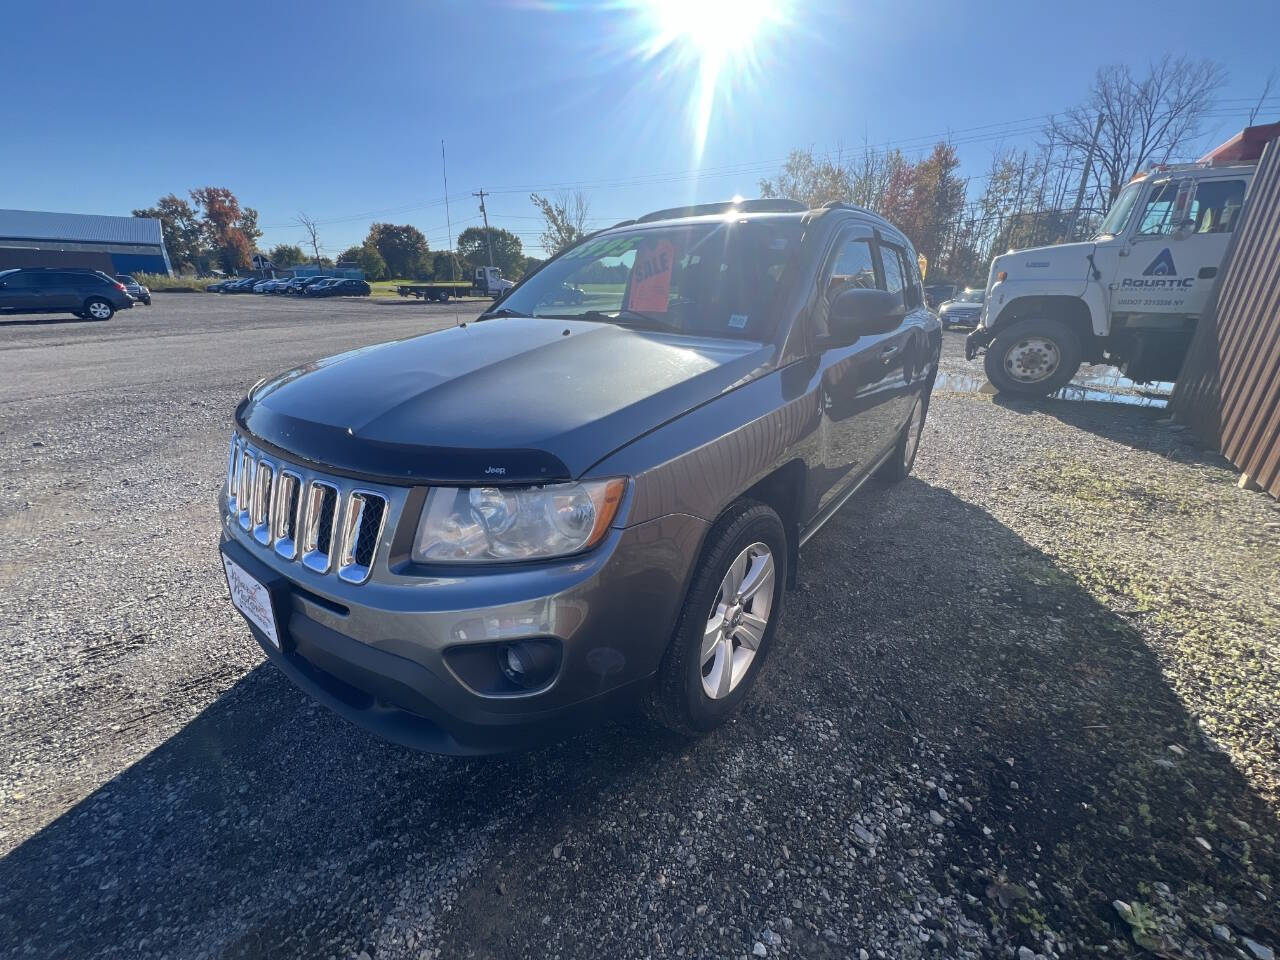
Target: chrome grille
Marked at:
308, 519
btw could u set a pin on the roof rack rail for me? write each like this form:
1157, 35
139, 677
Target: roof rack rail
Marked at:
766, 205
842, 205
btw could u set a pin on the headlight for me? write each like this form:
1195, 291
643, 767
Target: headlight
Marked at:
487, 524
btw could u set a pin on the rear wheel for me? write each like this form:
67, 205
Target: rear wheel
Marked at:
726, 626
99, 309
1033, 358
903, 458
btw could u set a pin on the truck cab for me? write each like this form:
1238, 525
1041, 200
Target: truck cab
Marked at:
1132, 295
488, 280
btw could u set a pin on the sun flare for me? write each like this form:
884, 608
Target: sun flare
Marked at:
718, 41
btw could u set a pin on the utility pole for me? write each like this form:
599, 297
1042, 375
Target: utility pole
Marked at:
485, 213
1084, 179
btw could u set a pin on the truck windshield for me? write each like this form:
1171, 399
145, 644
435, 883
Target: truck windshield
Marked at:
1115, 220
718, 279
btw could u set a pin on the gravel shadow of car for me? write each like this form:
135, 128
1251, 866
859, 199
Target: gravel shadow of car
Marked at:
928, 644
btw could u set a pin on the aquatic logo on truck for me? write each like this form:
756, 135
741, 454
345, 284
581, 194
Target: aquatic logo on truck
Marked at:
1158, 290
1161, 266
1161, 274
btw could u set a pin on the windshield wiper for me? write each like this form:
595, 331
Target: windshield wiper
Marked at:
625, 318
500, 312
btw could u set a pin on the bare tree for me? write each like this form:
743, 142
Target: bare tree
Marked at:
1144, 120
564, 219
1266, 91
811, 179
309, 225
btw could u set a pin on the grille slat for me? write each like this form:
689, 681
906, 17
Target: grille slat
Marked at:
321, 508
361, 528
304, 518
263, 482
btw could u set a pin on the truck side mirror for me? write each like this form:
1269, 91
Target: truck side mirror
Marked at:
859, 311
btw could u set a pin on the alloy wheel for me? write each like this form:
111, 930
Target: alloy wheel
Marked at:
738, 619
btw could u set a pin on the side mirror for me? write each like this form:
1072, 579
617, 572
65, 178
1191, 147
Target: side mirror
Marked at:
857, 311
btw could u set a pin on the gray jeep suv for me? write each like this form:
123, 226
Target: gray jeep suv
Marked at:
466, 539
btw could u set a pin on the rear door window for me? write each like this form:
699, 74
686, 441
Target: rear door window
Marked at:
895, 271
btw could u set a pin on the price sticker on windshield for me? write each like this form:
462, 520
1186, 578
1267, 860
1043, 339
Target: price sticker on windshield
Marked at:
651, 277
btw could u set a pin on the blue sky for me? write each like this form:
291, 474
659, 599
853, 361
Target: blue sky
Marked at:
338, 109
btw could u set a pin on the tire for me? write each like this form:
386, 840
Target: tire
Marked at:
98, 309
903, 458
1033, 358
693, 694
443, 296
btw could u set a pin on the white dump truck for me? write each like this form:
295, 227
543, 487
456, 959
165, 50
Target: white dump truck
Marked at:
1132, 295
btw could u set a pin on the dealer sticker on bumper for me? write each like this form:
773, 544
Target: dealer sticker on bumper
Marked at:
252, 599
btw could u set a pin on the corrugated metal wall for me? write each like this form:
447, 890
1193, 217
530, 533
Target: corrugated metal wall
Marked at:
1229, 390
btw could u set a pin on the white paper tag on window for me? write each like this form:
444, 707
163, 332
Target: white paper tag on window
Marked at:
738, 321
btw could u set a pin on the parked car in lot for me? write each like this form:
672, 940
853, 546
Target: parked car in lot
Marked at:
938, 293
265, 286
469, 538
339, 287
88, 294
135, 289
964, 310
299, 285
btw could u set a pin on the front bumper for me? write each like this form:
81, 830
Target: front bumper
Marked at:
381, 654
977, 341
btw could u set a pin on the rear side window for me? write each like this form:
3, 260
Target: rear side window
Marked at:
895, 271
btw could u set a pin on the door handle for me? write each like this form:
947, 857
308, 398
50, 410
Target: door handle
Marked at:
889, 352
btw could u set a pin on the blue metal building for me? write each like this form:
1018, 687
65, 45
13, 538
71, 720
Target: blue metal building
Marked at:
31, 238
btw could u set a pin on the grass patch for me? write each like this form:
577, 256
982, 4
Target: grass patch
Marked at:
160, 282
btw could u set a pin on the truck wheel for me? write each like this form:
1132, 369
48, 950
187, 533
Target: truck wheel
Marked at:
727, 624
1033, 358
443, 296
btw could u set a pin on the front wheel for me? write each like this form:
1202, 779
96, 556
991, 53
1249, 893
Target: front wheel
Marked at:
727, 624
99, 309
1033, 358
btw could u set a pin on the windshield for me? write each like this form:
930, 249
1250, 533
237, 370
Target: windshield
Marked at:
707, 279
972, 296
1120, 210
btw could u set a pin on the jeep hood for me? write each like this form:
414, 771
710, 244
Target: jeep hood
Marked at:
506, 400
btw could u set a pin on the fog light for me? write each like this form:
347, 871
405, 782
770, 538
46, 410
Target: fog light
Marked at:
528, 663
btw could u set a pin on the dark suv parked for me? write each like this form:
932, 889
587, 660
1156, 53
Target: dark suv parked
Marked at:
464, 539
85, 293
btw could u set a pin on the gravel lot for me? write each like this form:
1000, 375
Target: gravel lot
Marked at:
1026, 703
